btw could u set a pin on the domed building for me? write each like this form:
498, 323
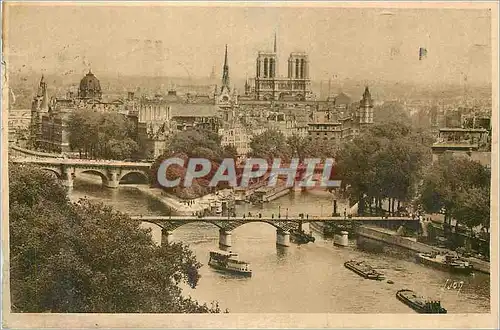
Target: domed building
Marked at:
90, 87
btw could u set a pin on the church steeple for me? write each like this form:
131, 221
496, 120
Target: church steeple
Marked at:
365, 110
42, 86
225, 73
367, 98
42, 96
275, 46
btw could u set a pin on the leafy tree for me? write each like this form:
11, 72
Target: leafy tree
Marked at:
86, 258
106, 135
473, 207
386, 162
270, 144
458, 188
298, 146
320, 148
192, 141
193, 144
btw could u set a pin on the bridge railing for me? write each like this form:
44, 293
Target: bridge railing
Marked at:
269, 218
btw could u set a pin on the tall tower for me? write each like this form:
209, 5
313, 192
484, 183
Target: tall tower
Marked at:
39, 107
267, 63
298, 66
275, 47
225, 74
365, 110
225, 99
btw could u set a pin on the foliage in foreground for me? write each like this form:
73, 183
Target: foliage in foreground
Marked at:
86, 258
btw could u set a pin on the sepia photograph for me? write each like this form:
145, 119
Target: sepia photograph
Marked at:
249, 164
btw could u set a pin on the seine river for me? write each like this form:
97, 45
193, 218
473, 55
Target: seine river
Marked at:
299, 279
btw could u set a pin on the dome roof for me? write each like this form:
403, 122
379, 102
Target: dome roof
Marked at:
90, 87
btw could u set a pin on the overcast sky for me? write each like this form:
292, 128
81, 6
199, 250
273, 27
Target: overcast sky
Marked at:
180, 41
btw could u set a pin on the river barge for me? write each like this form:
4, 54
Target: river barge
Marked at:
445, 262
419, 303
364, 270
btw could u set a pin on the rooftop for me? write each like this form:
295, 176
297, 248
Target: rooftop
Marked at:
458, 129
194, 110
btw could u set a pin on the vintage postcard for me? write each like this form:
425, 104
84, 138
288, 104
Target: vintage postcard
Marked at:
250, 164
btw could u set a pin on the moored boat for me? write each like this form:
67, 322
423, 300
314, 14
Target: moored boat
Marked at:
300, 237
365, 270
445, 262
419, 303
229, 262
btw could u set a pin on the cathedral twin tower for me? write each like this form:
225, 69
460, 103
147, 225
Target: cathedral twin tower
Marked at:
267, 86
295, 87
267, 63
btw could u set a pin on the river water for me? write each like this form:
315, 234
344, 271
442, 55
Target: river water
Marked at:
299, 279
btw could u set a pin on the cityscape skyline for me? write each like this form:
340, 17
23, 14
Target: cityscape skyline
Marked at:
386, 47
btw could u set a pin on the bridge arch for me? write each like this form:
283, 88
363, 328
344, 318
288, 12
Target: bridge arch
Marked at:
96, 172
134, 175
57, 172
276, 225
173, 225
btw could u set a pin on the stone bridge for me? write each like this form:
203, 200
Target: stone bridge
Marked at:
226, 225
111, 172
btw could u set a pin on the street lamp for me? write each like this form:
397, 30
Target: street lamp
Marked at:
287, 212
279, 211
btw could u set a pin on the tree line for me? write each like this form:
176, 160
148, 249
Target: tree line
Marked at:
390, 166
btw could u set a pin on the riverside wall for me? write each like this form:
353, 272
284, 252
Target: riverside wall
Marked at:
385, 241
276, 193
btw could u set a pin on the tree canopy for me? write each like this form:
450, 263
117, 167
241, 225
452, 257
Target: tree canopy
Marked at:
87, 258
386, 162
105, 135
459, 188
193, 144
303, 147
270, 144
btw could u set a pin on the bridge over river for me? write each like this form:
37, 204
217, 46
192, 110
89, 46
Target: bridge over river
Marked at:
283, 225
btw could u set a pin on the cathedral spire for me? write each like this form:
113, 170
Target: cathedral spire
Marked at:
42, 86
366, 94
275, 47
42, 92
366, 101
225, 73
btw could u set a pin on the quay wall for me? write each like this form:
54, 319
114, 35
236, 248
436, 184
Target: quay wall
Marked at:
381, 241
277, 193
34, 153
383, 236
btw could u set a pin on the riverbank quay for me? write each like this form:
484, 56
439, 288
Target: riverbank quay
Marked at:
183, 207
384, 240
